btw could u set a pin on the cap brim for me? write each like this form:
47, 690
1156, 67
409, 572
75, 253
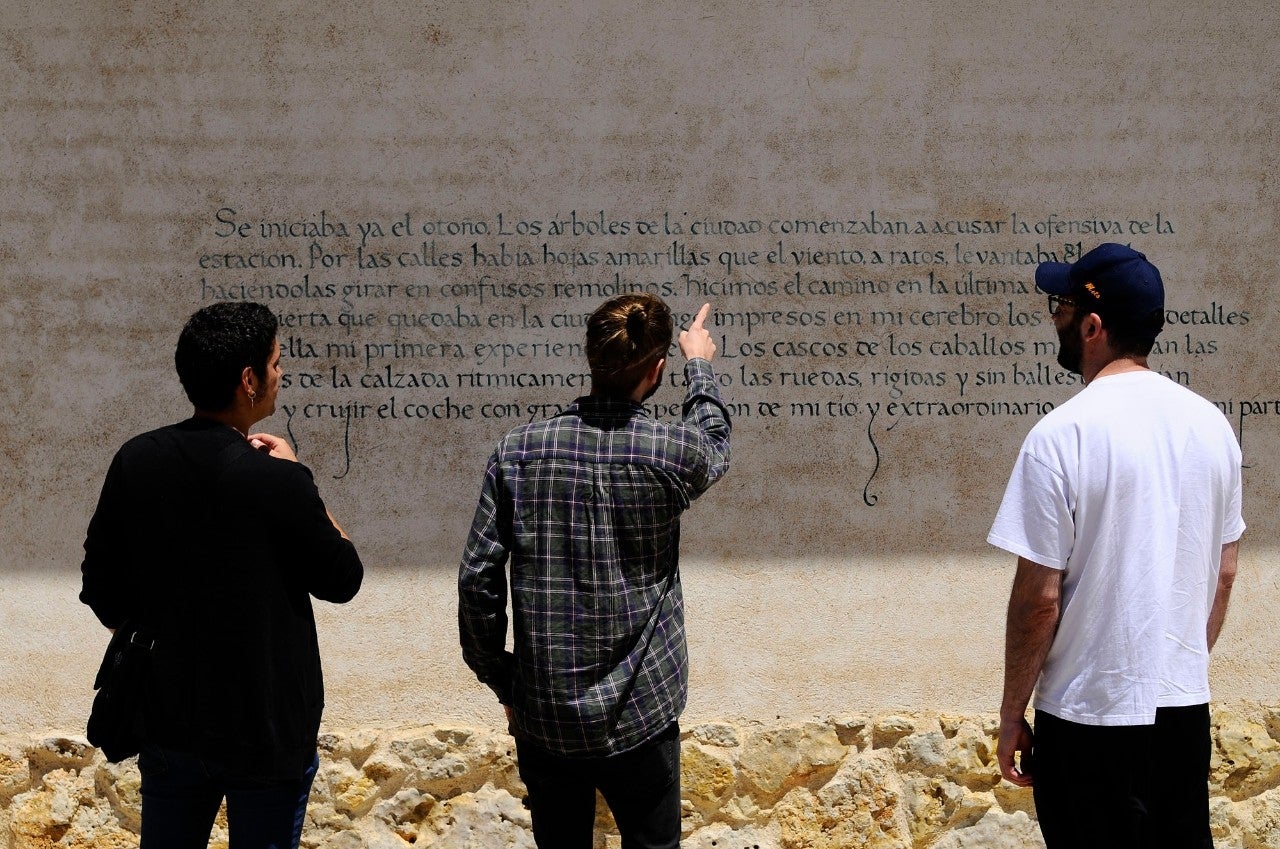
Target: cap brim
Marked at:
1054, 278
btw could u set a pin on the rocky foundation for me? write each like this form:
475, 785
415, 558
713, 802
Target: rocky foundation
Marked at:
896, 781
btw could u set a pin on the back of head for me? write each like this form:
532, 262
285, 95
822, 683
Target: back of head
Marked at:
626, 335
216, 345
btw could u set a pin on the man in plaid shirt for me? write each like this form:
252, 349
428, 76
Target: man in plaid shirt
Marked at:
587, 507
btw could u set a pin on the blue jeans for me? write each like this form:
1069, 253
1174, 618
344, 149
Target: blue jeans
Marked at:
642, 788
181, 795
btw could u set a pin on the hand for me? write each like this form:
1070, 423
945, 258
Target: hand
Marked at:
1015, 736
511, 722
273, 445
695, 342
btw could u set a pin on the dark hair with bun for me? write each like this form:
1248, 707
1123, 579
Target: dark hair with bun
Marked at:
626, 335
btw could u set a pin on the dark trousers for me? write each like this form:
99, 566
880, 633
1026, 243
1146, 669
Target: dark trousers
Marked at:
181, 795
641, 786
1135, 786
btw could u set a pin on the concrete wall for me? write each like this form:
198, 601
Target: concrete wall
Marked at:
432, 197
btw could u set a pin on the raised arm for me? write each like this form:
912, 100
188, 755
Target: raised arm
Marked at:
279, 448
703, 408
695, 340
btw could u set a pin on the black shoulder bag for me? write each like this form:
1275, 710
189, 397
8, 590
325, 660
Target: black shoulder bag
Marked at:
115, 722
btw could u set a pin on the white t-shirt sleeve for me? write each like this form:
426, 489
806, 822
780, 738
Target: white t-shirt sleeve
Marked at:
1036, 517
1234, 525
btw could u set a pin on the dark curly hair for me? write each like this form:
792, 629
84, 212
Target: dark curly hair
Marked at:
216, 344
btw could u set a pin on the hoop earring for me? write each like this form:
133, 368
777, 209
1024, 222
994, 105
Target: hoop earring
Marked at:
253, 398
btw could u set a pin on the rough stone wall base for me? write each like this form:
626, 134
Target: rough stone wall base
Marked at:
896, 781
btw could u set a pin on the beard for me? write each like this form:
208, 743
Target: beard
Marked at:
1070, 348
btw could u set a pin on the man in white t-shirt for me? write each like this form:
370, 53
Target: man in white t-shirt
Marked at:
1124, 512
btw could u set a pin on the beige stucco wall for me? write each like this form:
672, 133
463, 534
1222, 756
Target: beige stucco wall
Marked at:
767, 641
841, 566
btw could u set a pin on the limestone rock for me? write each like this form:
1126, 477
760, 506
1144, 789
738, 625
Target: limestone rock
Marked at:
741, 810
937, 806
1013, 799
64, 810
971, 752
706, 776
367, 836
923, 753
220, 835
1245, 760
121, 785
352, 746
385, 769
426, 758
918, 780
322, 816
348, 790
341, 840
15, 772
1223, 822
965, 759
862, 807
853, 731
52, 753
447, 761
886, 731
775, 760
486, 819
985, 725
403, 813
1259, 821
716, 734
721, 836
996, 830
1270, 716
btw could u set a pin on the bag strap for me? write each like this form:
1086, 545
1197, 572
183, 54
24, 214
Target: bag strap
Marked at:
130, 637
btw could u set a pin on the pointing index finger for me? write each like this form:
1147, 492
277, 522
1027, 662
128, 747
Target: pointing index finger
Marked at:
702, 316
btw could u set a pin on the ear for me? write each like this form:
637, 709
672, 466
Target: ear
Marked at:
249, 381
655, 373
1091, 327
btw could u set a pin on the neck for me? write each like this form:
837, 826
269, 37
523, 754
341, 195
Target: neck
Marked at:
637, 393
1119, 365
234, 417
617, 396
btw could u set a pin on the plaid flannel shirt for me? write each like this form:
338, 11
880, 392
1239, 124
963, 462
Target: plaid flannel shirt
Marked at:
587, 507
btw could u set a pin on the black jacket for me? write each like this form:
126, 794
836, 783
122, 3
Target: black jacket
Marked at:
216, 548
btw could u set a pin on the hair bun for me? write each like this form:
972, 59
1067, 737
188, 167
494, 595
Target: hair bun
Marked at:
636, 322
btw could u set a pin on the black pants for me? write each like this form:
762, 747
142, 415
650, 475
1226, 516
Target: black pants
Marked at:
181, 795
642, 787
1133, 786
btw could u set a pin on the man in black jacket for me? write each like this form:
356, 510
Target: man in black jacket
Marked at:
213, 540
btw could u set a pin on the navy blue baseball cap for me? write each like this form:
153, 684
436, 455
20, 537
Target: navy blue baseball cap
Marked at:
1117, 280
